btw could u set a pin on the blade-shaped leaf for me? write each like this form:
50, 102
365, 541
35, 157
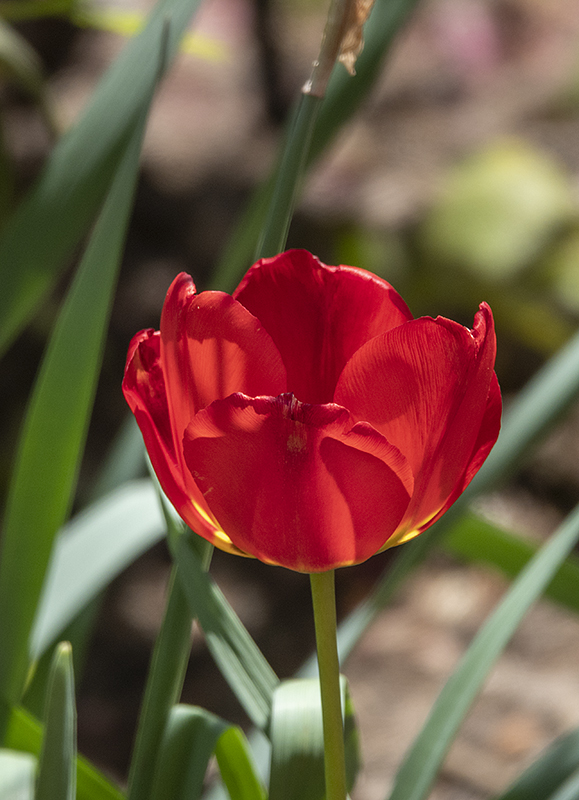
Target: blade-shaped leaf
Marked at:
478, 540
550, 771
188, 744
236, 766
163, 690
191, 737
57, 768
49, 224
297, 741
25, 735
56, 422
236, 654
419, 769
344, 96
90, 551
569, 790
17, 772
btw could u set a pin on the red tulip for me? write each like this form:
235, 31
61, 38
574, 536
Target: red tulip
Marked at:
309, 420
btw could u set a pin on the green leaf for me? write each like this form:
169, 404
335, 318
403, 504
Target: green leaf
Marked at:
478, 540
17, 772
236, 654
236, 766
297, 739
551, 770
57, 768
191, 737
288, 179
188, 743
43, 233
343, 97
419, 769
125, 460
25, 734
90, 551
55, 427
569, 790
164, 687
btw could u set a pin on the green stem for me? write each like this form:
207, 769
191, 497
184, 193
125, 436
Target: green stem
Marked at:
288, 177
324, 603
164, 686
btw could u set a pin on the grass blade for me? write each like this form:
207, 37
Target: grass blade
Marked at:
46, 228
236, 654
92, 550
57, 769
552, 769
24, 734
164, 686
343, 97
187, 746
236, 766
419, 769
55, 427
17, 772
297, 739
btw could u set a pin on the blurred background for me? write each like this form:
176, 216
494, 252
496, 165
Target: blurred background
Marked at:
458, 182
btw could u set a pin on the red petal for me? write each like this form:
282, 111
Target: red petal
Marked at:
425, 386
144, 390
211, 347
318, 316
291, 485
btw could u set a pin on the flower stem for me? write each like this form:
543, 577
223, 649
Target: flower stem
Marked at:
324, 603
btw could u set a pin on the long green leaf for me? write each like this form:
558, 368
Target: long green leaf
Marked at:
24, 734
419, 769
479, 541
45, 230
188, 743
57, 769
343, 98
236, 654
164, 686
236, 766
289, 176
90, 551
191, 737
551, 770
569, 790
297, 741
17, 772
55, 427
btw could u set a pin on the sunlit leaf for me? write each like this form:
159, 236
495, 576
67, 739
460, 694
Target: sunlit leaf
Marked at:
418, 771
24, 734
90, 551
17, 772
236, 654
297, 741
55, 427
43, 233
57, 766
550, 771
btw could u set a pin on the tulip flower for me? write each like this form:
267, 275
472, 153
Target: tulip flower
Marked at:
309, 420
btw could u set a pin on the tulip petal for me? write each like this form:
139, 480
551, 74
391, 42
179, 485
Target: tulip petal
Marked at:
426, 387
294, 484
211, 347
144, 390
318, 316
